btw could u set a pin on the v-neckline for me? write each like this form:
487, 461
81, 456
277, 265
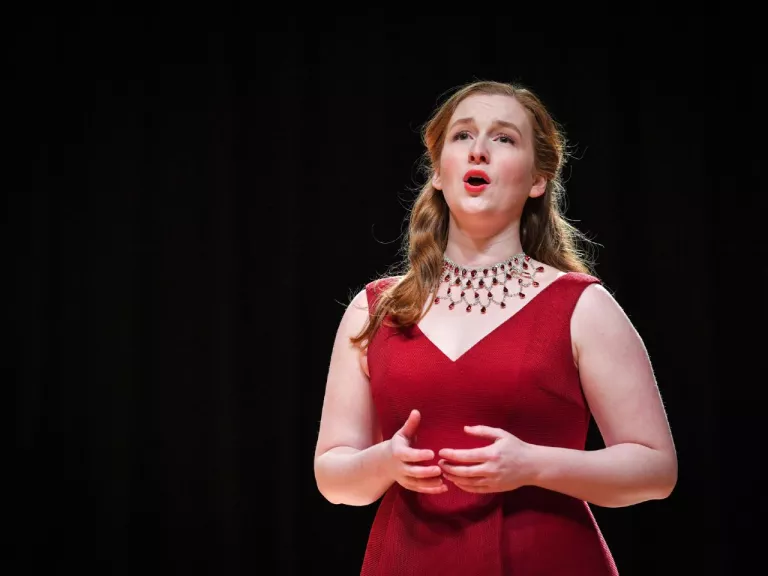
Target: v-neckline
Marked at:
491, 332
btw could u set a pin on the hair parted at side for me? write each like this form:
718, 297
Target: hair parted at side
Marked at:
545, 234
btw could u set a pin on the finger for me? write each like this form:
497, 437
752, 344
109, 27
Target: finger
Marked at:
486, 432
424, 482
413, 455
476, 489
422, 471
411, 424
427, 489
463, 471
473, 455
465, 483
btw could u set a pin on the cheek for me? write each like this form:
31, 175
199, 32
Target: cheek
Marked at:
450, 166
515, 169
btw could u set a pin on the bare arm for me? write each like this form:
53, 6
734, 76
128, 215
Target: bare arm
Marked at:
639, 461
350, 458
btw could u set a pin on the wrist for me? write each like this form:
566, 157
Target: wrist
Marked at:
384, 459
532, 463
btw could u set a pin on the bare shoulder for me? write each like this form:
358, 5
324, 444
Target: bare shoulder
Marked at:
355, 315
599, 315
357, 312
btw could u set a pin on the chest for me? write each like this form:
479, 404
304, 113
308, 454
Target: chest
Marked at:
455, 332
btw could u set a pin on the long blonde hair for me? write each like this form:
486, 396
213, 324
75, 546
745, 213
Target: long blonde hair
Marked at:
545, 234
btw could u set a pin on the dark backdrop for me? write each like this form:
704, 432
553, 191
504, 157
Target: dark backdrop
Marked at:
199, 195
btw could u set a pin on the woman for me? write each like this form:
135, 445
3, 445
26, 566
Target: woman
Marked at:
462, 390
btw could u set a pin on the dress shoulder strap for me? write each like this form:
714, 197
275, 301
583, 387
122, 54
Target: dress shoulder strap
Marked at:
374, 289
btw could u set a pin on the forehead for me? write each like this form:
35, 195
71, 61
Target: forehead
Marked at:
487, 108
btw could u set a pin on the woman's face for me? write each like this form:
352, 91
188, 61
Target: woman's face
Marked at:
487, 165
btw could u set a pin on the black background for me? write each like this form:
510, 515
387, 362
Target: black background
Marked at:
199, 192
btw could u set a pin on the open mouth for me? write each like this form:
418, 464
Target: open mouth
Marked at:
476, 178
475, 181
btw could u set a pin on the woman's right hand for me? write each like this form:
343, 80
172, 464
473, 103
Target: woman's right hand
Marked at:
415, 477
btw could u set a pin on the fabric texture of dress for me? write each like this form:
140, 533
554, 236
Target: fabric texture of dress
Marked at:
521, 378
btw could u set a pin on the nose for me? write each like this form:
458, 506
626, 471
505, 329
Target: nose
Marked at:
478, 153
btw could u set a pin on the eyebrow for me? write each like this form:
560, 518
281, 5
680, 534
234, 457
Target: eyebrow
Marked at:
502, 123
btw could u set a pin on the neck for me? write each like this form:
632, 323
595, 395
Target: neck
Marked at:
469, 247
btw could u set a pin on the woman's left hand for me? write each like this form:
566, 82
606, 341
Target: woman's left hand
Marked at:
498, 467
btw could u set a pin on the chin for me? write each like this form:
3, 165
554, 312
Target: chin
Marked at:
473, 205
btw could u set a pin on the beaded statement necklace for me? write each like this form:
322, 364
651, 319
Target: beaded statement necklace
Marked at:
486, 285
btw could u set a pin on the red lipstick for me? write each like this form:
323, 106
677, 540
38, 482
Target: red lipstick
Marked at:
475, 181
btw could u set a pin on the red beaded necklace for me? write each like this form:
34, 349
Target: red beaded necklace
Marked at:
485, 285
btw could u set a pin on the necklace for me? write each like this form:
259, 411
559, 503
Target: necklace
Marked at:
485, 285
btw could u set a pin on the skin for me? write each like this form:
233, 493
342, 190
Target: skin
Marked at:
354, 465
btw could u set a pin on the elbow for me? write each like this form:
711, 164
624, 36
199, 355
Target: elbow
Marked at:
347, 499
660, 487
663, 477
326, 490
668, 485
330, 497
660, 491
668, 478
340, 494
665, 482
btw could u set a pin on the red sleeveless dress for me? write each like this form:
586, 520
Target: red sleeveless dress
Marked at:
520, 378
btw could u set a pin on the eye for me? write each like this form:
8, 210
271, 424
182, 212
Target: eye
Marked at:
504, 139
463, 135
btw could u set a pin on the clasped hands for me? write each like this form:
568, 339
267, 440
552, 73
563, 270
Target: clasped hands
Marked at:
498, 467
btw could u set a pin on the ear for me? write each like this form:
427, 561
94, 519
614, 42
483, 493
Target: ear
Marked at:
437, 182
539, 186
